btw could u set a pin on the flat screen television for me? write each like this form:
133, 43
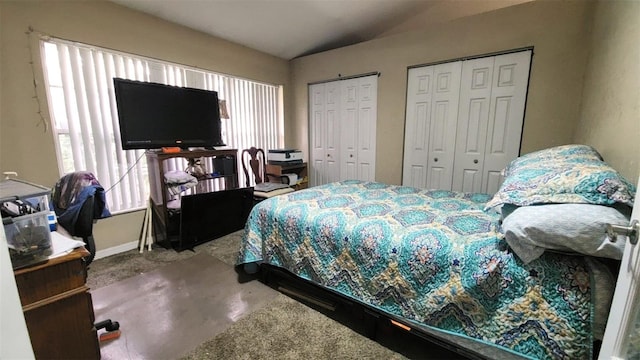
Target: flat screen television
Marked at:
152, 116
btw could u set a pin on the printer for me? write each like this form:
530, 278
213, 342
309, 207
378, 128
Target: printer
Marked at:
284, 156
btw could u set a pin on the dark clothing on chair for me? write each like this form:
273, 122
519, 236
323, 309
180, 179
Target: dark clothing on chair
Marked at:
78, 200
71, 192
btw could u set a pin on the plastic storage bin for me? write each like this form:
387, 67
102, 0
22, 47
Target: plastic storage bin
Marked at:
25, 210
28, 238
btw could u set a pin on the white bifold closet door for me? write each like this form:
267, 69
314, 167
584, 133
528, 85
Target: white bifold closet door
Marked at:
431, 121
324, 133
343, 115
460, 135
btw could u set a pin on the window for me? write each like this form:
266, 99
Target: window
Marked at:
79, 85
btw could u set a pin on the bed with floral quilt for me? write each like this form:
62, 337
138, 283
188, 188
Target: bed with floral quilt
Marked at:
438, 259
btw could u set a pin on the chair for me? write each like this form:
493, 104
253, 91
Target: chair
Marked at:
78, 201
255, 159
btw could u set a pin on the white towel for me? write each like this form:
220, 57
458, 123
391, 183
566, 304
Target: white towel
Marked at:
179, 181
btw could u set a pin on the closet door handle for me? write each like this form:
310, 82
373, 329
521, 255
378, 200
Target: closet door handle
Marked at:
475, 161
435, 159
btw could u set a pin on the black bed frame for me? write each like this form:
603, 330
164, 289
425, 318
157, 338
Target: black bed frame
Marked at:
395, 333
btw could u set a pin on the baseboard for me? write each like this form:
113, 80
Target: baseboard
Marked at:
116, 249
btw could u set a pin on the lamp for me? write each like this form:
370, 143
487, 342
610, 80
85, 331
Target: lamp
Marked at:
224, 114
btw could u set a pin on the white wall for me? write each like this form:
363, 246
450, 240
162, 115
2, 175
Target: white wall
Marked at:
610, 114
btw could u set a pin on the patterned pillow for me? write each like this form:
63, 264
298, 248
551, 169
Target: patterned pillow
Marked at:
578, 178
572, 152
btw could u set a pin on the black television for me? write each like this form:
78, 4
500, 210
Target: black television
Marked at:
153, 116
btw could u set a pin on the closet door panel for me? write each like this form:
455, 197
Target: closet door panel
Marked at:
506, 115
349, 130
473, 118
317, 133
444, 119
324, 143
417, 124
332, 165
367, 122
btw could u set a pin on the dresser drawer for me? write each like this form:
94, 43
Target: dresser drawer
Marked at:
44, 281
63, 329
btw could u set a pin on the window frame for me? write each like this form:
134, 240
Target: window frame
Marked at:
255, 108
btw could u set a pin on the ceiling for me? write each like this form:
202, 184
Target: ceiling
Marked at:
292, 28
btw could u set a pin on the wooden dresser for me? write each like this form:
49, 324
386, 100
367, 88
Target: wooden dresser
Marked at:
57, 308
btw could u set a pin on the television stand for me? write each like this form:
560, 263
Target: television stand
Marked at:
215, 207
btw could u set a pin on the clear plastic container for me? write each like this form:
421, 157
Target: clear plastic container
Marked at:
28, 238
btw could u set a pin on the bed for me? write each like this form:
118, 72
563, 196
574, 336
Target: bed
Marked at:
457, 262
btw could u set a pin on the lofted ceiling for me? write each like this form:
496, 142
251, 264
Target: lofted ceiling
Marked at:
292, 28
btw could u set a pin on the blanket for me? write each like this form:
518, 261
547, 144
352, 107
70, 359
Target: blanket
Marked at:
434, 258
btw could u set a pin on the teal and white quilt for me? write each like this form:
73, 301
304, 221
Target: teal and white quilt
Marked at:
434, 258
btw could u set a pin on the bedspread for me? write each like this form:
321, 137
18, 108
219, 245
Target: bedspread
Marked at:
434, 258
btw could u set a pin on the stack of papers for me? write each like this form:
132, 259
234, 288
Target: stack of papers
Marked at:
62, 245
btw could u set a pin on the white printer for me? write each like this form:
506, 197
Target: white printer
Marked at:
284, 156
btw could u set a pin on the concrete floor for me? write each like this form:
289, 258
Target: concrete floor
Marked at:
168, 312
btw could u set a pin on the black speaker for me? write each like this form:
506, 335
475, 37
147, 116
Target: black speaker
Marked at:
224, 165
228, 166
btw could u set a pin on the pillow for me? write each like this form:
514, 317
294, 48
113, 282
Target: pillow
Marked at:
570, 153
577, 179
574, 228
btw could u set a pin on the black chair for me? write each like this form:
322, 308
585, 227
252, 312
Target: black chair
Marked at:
78, 201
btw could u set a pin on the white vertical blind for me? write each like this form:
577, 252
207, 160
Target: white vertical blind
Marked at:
79, 84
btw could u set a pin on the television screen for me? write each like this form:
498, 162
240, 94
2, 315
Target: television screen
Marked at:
154, 115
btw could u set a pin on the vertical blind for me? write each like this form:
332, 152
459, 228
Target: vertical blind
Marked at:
81, 99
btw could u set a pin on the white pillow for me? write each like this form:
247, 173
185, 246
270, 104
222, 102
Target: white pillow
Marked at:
575, 228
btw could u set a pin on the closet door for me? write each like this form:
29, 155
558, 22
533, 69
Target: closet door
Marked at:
416, 132
473, 120
324, 135
433, 100
349, 129
358, 128
506, 116
342, 130
492, 100
460, 135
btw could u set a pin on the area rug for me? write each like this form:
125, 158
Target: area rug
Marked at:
287, 329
